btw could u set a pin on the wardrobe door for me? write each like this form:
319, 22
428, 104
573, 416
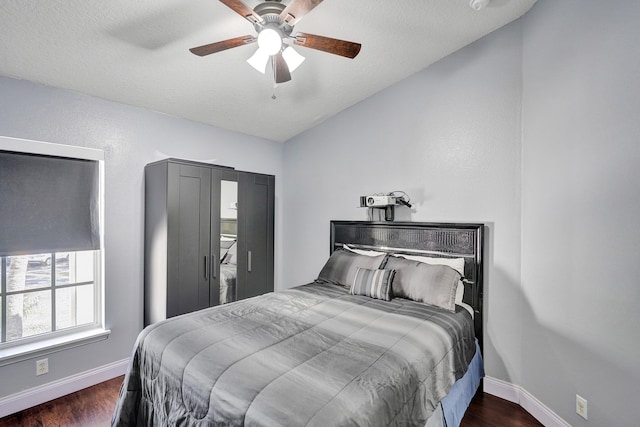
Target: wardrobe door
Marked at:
224, 235
256, 223
189, 225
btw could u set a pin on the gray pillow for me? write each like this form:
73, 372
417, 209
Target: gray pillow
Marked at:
225, 244
418, 281
373, 283
341, 266
231, 257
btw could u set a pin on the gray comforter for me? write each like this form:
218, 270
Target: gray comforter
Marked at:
313, 355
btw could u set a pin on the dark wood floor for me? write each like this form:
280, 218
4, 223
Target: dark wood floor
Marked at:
490, 411
94, 406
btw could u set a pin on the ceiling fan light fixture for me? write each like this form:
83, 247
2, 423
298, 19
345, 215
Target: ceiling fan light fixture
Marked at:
292, 58
270, 41
273, 22
259, 60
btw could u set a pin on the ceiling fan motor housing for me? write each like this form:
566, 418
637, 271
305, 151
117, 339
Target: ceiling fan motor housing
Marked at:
270, 12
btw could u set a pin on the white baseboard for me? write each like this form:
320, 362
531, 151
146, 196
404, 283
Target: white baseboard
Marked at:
528, 402
46, 392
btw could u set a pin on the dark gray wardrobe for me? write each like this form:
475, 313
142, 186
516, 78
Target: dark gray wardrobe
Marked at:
200, 242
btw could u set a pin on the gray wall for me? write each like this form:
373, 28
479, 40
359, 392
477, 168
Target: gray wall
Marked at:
131, 137
533, 130
581, 208
449, 137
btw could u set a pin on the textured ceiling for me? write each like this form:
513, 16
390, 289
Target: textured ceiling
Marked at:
137, 53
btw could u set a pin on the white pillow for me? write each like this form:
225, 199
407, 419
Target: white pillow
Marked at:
363, 252
455, 263
466, 307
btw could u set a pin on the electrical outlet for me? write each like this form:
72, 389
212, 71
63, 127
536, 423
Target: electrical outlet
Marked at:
42, 367
581, 406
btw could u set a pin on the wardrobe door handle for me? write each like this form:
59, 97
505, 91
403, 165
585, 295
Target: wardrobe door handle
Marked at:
249, 261
213, 268
205, 268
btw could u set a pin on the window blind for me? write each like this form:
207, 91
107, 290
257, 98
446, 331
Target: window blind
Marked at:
48, 204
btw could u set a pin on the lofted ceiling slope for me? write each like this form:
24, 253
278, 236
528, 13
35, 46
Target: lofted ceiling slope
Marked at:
137, 53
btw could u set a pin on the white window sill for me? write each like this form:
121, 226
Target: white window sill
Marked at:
42, 347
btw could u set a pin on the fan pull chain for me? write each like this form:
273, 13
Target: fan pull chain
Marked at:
273, 94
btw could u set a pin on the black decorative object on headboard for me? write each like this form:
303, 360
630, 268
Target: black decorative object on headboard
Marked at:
438, 240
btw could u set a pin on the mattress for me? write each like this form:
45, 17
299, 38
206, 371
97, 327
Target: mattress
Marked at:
312, 355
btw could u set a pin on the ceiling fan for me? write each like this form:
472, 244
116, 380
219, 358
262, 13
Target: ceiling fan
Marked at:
273, 21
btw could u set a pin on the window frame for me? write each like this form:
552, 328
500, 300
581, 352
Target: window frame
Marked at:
46, 343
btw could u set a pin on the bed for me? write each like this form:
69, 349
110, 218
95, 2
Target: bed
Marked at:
228, 268
325, 353
228, 259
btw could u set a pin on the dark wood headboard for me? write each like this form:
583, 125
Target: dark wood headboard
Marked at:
438, 240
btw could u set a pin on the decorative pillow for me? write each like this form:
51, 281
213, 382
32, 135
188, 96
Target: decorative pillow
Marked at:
231, 257
363, 251
455, 263
225, 244
372, 283
422, 282
341, 266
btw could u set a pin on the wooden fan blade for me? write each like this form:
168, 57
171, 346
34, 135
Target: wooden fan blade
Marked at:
243, 10
327, 44
297, 9
281, 72
208, 49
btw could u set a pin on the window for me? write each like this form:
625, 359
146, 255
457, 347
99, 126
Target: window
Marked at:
50, 248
